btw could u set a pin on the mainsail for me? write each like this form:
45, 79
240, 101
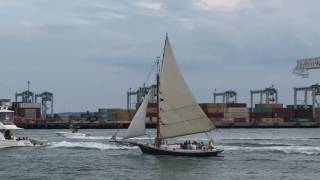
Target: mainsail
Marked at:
138, 124
179, 112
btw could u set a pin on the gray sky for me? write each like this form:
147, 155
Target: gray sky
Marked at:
90, 52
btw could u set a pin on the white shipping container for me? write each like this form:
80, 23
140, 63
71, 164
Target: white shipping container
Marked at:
30, 105
236, 115
234, 119
236, 110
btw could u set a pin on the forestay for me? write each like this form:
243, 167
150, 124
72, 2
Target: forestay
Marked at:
179, 112
138, 125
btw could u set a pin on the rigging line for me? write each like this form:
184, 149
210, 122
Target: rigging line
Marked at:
150, 72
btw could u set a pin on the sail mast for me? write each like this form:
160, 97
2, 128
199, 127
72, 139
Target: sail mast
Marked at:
158, 138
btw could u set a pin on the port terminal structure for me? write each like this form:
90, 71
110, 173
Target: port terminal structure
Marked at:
46, 103
315, 96
26, 96
267, 96
30, 97
138, 95
304, 65
229, 96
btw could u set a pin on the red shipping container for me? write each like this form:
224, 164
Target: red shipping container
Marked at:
151, 114
260, 115
303, 113
299, 106
215, 115
282, 113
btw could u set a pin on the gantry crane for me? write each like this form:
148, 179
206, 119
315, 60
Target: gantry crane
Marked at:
267, 95
227, 97
26, 96
46, 102
139, 93
315, 96
303, 65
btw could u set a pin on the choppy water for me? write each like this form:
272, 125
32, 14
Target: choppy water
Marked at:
249, 154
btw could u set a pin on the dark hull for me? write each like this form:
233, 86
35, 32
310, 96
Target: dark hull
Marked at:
191, 153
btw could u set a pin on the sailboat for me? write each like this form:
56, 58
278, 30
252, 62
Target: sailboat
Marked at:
178, 114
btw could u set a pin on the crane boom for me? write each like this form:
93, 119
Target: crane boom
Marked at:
303, 65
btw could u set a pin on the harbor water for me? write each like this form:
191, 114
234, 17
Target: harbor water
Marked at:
249, 154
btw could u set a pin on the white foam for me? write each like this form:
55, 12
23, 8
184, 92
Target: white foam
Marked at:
269, 138
89, 137
88, 145
136, 138
309, 150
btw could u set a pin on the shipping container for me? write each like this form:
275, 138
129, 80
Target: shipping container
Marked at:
216, 105
151, 114
215, 110
236, 109
216, 119
236, 105
282, 113
215, 115
299, 106
303, 113
236, 115
29, 105
269, 106
262, 110
260, 115
240, 120
270, 121
317, 115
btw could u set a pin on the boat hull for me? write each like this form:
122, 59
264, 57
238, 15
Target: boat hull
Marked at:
150, 149
15, 143
72, 135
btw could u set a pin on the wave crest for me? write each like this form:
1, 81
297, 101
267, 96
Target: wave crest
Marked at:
89, 145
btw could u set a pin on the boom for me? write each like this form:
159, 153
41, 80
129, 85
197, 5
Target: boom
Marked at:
303, 65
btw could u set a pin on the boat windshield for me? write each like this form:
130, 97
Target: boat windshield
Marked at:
6, 118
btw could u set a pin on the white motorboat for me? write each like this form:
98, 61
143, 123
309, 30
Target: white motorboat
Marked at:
8, 131
74, 134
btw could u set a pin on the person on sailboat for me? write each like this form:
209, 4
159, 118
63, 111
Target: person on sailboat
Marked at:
211, 144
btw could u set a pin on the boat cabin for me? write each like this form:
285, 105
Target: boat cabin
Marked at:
7, 127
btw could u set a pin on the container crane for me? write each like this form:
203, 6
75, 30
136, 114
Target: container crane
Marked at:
46, 102
227, 96
267, 95
304, 65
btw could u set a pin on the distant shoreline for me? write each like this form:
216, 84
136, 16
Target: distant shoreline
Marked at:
152, 126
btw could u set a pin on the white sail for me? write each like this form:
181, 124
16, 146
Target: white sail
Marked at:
138, 124
179, 112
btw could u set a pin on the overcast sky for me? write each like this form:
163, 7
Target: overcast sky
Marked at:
90, 52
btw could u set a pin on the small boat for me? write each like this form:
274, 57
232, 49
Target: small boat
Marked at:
74, 134
178, 114
8, 132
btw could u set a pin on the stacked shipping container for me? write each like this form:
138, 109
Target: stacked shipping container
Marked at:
268, 114
226, 114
